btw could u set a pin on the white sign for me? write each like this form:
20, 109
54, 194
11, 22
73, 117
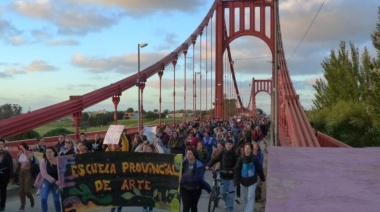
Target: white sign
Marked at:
113, 134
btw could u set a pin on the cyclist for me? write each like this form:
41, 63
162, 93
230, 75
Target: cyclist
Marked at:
228, 160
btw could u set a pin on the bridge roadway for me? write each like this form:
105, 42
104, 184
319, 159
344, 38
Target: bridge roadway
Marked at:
13, 201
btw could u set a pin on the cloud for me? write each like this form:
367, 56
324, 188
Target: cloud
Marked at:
63, 42
8, 32
9, 72
17, 40
124, 64
39, 66
69, 18
142, 8
100, 65
74, 87
4, 75
41, 34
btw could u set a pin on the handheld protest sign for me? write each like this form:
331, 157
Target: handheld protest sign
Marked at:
113, 134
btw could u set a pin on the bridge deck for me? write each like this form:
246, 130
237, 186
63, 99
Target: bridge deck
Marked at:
323, 179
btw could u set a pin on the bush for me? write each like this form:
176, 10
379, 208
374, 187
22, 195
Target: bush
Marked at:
57, 131
27, 135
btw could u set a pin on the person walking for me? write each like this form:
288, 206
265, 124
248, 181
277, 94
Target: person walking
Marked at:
246, 170
191, 181
6, 173
25, 179
228, 160
260, 158
49, 173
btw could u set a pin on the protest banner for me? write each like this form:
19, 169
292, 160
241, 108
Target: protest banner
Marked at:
94, 180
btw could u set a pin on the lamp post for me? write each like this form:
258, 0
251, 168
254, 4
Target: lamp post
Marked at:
138, 84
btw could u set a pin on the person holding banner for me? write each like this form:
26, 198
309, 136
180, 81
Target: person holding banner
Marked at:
82, 148
49, 173
148, 148
68, 149
191, 182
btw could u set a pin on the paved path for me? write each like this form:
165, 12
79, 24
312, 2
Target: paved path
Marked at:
13, 201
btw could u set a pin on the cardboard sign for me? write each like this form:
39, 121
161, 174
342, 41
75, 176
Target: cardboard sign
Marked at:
113, 134
105, 179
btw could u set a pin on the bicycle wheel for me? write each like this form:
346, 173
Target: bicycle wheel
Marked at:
212, 201
217, 196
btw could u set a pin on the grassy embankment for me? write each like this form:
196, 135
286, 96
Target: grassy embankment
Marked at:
69, 124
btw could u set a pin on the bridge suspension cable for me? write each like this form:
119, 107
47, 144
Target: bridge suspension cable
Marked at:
304, 35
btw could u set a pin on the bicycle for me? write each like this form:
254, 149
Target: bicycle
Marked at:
215, 194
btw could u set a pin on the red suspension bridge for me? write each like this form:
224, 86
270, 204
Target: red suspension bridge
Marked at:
232, 20
227, 21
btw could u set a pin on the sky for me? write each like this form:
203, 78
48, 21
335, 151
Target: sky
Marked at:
51, 49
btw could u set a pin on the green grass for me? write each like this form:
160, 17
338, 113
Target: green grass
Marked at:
69, 124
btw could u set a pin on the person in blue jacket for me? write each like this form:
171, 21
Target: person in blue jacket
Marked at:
246, 171
192, 181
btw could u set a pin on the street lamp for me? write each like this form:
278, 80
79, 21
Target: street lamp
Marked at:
138, 84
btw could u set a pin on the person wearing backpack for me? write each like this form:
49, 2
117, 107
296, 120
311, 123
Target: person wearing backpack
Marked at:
227, 159
246, 171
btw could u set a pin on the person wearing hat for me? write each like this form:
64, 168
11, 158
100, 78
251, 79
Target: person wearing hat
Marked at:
228, 160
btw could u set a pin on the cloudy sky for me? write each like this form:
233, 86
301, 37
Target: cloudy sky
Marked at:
53, 49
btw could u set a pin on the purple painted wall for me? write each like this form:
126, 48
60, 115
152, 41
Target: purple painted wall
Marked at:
323, 179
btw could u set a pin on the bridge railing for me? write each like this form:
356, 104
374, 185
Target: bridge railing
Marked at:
328, 141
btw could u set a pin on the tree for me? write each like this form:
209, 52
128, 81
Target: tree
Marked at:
374, 87
375, 36
9, 110
346, 104
151, 115
130, 110
340, 67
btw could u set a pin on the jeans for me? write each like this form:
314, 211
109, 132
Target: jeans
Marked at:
228, 193
118, 209
248, 193
147, 209
45, 190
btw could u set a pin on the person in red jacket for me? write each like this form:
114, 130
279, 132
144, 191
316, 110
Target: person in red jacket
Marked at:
257, 135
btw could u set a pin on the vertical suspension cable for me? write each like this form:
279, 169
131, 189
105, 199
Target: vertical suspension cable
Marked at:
174, 62
193, 82
184, 88
229, 81
224, 86
207, 113
212, 98
200, 75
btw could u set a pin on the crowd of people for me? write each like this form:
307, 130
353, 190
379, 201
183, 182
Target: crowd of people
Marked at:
230, 145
